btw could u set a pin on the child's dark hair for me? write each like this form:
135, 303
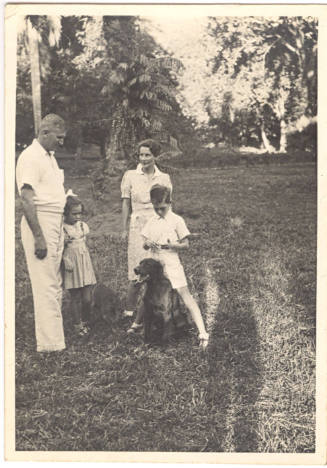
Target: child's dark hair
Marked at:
160, 194
70, 202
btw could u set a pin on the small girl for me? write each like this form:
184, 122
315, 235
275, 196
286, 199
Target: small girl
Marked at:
78, 271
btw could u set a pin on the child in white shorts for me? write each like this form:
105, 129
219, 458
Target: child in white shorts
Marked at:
165, 234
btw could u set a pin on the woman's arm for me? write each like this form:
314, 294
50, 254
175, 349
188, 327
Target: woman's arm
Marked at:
126, 211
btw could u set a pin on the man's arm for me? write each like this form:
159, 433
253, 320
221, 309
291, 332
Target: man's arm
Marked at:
29, 211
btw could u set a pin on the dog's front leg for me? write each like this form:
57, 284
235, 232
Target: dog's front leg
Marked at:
166, 329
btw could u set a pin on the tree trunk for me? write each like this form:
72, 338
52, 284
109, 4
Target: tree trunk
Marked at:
35, 75
266, 143
114, 162
283, 137
115, 159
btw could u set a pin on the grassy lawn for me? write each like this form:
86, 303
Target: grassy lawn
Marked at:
253, 272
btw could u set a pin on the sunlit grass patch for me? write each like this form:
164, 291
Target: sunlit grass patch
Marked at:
236, 222
288, 356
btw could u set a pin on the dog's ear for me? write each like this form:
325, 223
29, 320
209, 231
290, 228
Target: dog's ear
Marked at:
158, 269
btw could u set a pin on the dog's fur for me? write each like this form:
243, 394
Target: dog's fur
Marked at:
105, 305
160, 301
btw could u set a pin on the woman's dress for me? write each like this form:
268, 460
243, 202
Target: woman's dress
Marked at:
136, 186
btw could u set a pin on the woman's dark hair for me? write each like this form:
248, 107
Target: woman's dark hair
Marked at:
153, 145
160, 194
70, 202
155, 149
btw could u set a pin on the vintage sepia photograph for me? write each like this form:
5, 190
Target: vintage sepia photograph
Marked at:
163, 222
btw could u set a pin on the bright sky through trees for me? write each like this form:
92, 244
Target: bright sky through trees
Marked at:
187, 40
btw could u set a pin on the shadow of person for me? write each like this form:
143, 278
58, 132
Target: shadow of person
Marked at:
234, 376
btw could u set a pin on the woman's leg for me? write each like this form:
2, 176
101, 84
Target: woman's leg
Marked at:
75, 296
193, 307
138, 306
132, 296
139, 314
86, 303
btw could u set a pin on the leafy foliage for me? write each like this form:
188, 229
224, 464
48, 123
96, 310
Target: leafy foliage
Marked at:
108, 77
264, 72
115, 84
136, 81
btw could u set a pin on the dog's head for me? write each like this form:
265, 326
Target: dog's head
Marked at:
148, 269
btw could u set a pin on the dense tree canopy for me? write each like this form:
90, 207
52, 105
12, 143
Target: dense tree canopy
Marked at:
252, 81
264, 78
110, 77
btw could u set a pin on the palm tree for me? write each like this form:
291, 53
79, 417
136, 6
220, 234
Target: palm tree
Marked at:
141, 86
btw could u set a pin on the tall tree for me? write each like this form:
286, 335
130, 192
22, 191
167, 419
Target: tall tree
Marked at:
44, 32
134, 79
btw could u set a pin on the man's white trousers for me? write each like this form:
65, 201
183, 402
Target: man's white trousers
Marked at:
46, 280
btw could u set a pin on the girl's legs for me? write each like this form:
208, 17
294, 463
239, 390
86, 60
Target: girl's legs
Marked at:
75, 302
193, 307
86, 303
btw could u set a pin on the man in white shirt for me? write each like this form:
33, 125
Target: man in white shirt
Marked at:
40, 184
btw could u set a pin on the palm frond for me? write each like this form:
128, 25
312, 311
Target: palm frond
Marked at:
144, 78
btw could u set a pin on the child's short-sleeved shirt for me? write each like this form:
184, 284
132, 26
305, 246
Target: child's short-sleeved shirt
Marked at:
161, 230
170, 228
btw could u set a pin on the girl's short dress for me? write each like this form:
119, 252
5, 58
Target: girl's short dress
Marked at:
76, 255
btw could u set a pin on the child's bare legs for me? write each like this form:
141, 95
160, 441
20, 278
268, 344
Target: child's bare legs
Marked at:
86, 303
193, 307
75, 304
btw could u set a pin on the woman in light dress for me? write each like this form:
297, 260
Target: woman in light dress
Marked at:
137, 209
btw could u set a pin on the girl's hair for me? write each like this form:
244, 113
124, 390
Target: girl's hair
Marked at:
153, 145
160, 194
70, 202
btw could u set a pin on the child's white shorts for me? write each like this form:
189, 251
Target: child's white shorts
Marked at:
173, 269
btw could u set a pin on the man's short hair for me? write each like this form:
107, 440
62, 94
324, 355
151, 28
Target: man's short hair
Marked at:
160, 194
52, 122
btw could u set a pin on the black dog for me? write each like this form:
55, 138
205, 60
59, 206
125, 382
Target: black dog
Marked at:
160, 301
105, 305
